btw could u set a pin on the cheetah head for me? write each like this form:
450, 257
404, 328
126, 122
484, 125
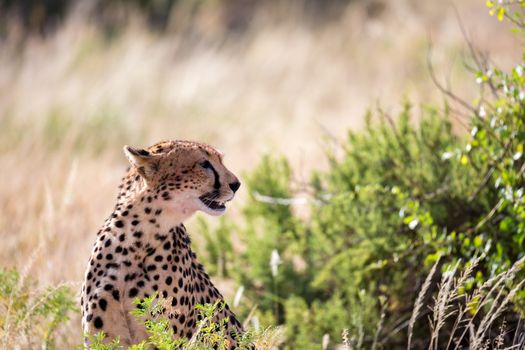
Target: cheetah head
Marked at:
183, 177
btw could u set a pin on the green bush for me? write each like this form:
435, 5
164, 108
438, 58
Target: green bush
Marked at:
210, 334
401, 195
376, 216
29, 317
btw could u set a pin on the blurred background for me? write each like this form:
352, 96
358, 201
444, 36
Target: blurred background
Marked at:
80, 79
231, 73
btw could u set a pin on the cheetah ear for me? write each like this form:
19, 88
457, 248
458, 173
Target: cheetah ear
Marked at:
142, 160
137, 156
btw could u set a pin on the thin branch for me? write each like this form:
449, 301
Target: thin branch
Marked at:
495, 208
443, 89
281, 201
479, 58
490, 171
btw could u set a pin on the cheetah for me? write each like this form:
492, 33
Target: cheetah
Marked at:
143, 247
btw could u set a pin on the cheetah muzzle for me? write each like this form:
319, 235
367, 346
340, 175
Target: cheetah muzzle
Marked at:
144, 249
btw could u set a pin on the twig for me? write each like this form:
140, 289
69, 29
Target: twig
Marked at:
440, 86
495, 208
279, 200
479, 59
489, 172
250, 315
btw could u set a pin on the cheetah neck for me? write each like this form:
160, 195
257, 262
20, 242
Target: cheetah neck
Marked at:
141, 227
142, 204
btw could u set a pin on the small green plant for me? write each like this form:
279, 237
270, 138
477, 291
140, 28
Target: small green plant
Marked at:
210, 332
98, 342
29, 317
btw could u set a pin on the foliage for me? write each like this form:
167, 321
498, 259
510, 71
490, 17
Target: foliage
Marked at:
373, 220
397, 197
210, 333
31, 317
219, 247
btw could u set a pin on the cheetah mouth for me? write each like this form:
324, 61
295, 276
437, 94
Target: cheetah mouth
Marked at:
214, 205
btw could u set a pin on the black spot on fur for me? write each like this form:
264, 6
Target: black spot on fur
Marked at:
98, 323
103, 304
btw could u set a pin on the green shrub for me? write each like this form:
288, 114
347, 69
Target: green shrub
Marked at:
401, 195
210, 332
30, 317
373, 221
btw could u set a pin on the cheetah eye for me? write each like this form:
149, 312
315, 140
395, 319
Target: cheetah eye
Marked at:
206, 164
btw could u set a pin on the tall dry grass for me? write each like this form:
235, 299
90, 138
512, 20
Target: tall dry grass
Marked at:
69, 101
475, 318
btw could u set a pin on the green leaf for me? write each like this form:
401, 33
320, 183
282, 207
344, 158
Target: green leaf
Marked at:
501, 13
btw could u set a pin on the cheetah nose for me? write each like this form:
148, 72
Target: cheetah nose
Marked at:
235, 186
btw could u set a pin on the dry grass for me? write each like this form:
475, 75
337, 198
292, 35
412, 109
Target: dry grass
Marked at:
474, 313
70, 101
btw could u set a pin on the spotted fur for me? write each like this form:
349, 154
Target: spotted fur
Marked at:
143, 247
